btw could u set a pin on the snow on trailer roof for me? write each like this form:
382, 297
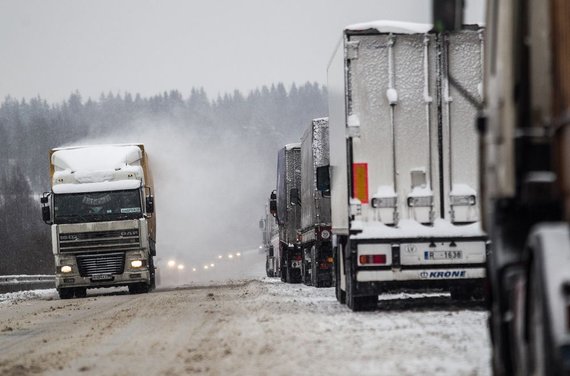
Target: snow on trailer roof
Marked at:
293, 146
105, 186
98, 157
388, 26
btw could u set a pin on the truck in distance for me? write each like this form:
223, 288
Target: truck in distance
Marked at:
101, 212
315, 230
284, 204
404, 162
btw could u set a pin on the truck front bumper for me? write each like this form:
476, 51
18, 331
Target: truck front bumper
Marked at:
125, 279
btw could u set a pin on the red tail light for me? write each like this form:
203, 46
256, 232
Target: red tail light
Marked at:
373, 259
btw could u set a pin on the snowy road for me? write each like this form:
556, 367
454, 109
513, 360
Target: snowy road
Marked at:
254, 327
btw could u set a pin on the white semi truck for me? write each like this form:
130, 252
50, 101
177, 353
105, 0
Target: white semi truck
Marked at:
404, 162
101, 212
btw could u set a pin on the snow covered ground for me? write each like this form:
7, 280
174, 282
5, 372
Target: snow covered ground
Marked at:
252, 326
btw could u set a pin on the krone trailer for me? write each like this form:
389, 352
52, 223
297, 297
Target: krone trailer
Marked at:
285, 206
404, 162
315, 230
101, 213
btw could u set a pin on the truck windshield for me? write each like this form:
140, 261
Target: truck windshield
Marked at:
97, 206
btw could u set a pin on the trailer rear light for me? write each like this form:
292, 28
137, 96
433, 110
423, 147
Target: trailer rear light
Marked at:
424, 201
373, 259
384, 202
330, 260
469, 200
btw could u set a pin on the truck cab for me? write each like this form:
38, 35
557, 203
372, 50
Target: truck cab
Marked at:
101, 212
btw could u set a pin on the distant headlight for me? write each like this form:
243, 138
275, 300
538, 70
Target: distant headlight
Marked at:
136, 263
65, 269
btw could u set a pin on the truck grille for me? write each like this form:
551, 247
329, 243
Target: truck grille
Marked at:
104, 263
99, 241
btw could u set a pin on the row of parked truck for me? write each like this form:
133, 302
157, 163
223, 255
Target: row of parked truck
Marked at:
409, 178
383, 194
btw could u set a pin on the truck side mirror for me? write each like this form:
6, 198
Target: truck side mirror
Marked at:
46, 214
448, 15
150, 204
46, 210
324, 180
273, 204
294, 197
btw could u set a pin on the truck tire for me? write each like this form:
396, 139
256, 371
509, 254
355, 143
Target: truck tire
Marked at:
305, 268
315, 267
80, 292
65, 293
268, 271
139, 288
540, 361
358, 303
462, 293
340, 295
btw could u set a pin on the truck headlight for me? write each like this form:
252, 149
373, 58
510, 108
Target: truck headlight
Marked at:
136, 263
65, 269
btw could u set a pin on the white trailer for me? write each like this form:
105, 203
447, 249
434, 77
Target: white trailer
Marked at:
404, 161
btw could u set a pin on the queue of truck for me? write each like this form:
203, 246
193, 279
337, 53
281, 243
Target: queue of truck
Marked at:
384, 193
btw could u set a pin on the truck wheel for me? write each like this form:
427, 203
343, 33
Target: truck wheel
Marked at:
81, 292
65, 293
139, 288
305, 267
538, 343
358, 303
152, 274
340, 295
267, 270
461, 293
314, 267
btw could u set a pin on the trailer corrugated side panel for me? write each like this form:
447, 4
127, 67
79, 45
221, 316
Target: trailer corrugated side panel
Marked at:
337, 140
281, 190
462, 59
307, 174
314, 153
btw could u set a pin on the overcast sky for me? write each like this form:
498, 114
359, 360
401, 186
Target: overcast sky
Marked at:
53, 47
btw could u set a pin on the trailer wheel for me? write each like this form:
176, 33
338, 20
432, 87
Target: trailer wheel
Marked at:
268, 271
65, 293
461, 293
306, 276
539, 348
81, 292
340, 295
357, 303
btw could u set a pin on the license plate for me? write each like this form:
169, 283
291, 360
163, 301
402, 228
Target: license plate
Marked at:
443, 255
101, 277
